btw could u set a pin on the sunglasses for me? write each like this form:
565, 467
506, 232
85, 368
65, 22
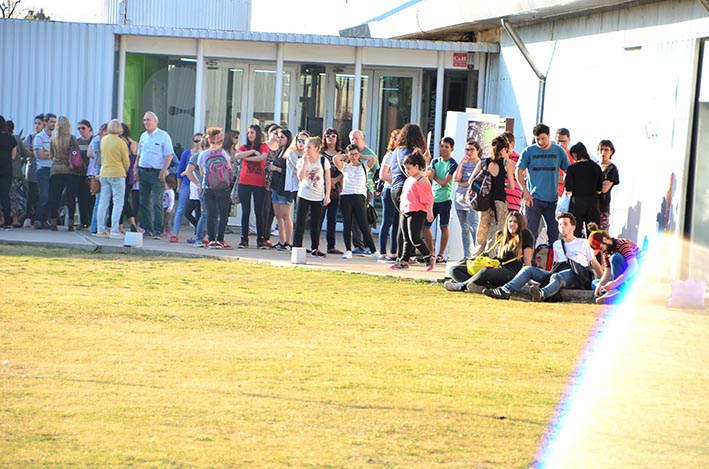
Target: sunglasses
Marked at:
197, 140
300, 140
470, 148
82, 127
330, 136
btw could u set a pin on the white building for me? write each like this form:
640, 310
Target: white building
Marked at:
629, 71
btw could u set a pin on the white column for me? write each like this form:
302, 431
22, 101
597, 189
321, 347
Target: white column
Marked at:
357, 101
277, 102
440, 78
121, 78
481, 63
198, 100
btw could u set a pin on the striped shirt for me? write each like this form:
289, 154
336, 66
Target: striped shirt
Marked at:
627, 248
354, 181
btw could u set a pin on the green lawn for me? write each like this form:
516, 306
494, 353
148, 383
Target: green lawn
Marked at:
116, 360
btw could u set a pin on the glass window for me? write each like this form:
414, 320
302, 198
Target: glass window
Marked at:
264, 86
344, 100
166, 86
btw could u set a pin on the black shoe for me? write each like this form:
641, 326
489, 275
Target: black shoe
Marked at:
537, 293
243, 244
334, 251
133, 228
317, 253
497, 293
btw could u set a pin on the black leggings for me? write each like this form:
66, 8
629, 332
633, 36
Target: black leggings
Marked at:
586, 210
193, 206
354, 209
315, 221
5, 183
412, 224
489, 277
217, 203
57, 184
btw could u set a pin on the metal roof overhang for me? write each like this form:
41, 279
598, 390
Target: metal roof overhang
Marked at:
309, 39
432, 19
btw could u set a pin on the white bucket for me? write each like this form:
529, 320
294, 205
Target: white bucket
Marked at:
133, 240
297, 255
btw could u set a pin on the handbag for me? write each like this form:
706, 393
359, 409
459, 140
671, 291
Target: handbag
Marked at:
371, 215
563, 204
479, 263
76, 162
582, 275
94, 185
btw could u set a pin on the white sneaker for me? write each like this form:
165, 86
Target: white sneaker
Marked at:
347, 255
27, 223
116, 235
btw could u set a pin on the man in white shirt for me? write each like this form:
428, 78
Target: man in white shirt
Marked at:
576, 249
155, 153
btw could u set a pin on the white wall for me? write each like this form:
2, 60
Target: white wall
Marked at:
63, 68
628, 76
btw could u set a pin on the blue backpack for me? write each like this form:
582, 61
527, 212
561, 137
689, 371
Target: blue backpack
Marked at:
217, 171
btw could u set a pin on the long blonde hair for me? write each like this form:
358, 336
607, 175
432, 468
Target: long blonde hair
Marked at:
62, 138
512, 242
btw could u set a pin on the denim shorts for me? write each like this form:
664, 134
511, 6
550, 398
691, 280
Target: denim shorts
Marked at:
277, 198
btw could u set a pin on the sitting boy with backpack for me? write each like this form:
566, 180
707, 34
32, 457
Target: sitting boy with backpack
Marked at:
572, 257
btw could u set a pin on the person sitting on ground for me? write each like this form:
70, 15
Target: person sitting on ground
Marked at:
567, 249
515, 250
620, 258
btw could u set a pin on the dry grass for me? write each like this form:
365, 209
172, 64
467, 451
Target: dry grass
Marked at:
121, 360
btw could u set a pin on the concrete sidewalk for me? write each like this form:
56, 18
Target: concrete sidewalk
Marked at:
86, 241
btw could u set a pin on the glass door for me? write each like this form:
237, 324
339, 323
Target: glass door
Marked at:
396, 99
223, 95
262, 88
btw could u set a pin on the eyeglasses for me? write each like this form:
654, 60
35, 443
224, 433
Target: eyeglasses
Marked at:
300, 140
331, 136
470, 148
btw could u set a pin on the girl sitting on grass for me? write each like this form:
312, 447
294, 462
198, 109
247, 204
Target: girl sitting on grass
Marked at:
515, 249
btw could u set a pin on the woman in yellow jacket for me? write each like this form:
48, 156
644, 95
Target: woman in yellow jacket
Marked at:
114, 165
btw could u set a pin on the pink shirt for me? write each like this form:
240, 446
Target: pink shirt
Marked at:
416, 195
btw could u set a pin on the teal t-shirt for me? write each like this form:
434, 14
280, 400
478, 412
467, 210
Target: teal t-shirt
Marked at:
370, 171
443, 168
543, 170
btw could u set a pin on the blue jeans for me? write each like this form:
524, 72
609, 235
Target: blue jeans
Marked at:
534, 215
469, 226
151, 194
111, 189
390, 223
199, 229
557, 281
184, 197
94, 216
43, 201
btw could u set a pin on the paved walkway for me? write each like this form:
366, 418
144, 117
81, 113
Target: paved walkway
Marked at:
84, 240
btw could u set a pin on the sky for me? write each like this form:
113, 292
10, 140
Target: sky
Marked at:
303, 16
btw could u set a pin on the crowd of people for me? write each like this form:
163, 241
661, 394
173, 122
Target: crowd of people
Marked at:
300, 180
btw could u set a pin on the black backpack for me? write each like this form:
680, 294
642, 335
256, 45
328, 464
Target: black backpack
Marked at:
479, 193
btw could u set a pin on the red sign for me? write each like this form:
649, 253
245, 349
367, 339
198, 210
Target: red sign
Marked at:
460, 59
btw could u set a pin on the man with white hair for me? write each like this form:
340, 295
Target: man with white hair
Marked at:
155, 153
366, 154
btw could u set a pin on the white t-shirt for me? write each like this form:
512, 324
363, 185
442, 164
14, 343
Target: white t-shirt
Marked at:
354, 180
386, 161
194, 191
578, 250
312, 187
